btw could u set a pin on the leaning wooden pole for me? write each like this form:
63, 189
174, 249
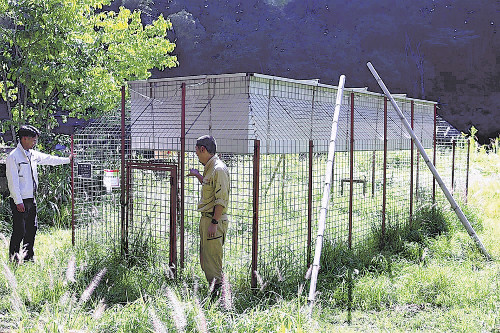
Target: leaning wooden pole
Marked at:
326, 191
434, 171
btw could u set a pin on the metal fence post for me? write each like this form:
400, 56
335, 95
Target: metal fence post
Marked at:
181, 172
123, 202
310, 203
173, 224
411, 162
72, 191
255, 222
467, 172
384, 187
374, 159
351, 171
454, 144
417, 176
130, 202
435, 154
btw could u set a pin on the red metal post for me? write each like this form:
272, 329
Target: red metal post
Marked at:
123, 202
351, 171
374, 159
72, 191
454, 144
255, 224
310, 203
129, 200
384, 193
417, 175
467, 173
411, 162
435, 154
173, 220
182, 167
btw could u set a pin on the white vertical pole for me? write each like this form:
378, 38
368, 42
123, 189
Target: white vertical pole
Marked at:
421, 149
326, 191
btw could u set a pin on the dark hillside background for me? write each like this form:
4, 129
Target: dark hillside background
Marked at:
446, 51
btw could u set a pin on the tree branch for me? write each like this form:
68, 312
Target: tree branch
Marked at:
9, 106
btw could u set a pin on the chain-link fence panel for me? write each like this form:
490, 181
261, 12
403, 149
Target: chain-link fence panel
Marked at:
272, 134
97, 209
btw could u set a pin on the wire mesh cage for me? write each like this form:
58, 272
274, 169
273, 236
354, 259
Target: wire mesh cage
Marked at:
273, 134
97, 209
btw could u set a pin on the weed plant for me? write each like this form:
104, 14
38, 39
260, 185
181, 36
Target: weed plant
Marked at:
413, 270
94, 289
5, 215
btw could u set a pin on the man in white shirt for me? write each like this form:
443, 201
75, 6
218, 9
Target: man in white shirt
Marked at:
22, 178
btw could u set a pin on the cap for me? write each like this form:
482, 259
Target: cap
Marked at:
28, 130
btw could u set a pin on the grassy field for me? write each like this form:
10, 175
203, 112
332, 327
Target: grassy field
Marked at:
426, 278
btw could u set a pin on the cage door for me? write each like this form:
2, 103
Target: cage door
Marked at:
150, 228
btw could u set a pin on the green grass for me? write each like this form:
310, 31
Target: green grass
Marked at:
428, 276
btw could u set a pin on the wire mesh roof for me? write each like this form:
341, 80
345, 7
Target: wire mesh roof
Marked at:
268, 108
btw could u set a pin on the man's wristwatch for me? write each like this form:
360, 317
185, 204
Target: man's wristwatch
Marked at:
214, 221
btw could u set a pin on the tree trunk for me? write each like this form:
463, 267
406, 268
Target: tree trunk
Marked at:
9, 106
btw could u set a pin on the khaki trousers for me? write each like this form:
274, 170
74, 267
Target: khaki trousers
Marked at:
211, 251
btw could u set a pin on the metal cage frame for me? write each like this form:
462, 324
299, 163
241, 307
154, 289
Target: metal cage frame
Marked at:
276, 153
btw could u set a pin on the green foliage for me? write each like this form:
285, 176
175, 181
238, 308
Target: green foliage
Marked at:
126, 278
143, 249
429, 221
72, 56
408, 239
386, 252
441, 295
54, 196
473, 216
5, 215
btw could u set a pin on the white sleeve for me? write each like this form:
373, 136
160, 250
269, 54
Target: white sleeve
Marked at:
13, 179
46, 159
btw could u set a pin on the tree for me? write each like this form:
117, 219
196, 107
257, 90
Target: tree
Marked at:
71, 56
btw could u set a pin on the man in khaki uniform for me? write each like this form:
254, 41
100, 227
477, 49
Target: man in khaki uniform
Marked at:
213, 207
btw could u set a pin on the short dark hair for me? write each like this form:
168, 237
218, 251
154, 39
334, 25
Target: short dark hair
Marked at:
208, 142
27, 130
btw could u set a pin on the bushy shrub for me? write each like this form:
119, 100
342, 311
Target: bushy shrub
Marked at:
5, 215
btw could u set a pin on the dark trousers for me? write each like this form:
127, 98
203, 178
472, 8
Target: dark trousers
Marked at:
24, 226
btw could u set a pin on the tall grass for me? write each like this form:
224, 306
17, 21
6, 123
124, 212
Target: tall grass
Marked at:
425, 275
